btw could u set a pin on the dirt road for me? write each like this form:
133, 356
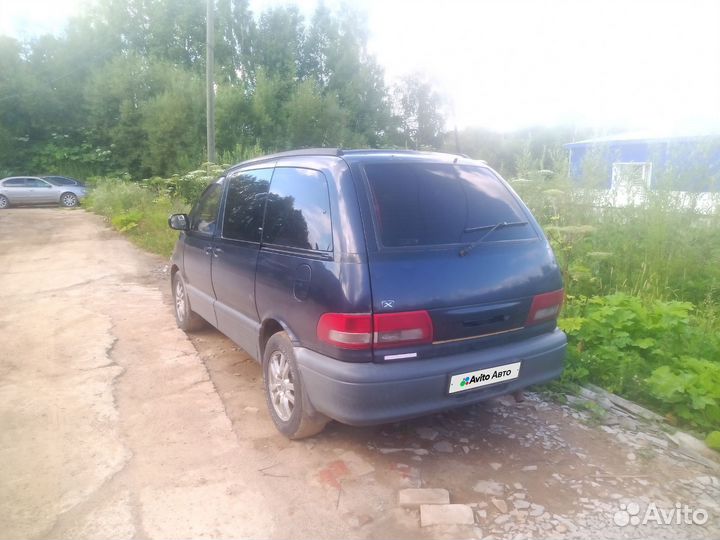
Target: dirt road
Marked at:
114, 424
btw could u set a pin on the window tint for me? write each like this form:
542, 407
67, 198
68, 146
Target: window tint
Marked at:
203, 217
245, 204
14, 182
431, 204
36, 182
61, 181
298, 210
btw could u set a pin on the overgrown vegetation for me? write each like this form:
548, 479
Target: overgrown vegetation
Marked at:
656, 250
654, 352
141, 209
643, 294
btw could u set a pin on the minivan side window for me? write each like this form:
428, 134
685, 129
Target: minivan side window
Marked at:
203, 217
245, 204
298, 210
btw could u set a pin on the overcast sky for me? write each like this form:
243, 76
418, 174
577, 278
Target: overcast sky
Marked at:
507, 64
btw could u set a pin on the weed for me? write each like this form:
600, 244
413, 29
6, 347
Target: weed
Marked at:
596, 414
138, 210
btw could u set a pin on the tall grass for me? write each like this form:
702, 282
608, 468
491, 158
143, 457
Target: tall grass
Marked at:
138, 210
643, 293
655, 248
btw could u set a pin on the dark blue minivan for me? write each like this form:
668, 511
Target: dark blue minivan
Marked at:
372, 285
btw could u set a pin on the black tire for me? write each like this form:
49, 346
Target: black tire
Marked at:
185, 317
69, 200
298, 424
4, 202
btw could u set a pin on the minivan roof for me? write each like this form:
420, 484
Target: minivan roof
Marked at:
366, 153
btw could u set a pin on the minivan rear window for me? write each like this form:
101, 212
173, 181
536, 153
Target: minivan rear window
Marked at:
421, 204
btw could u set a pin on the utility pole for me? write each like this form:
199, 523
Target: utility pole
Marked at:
209, 79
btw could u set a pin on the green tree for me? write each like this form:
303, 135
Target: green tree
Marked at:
174, 122
13, 115
121, 89
278, 44
335, 55
314, 119
235, 123
235, 33
419, 106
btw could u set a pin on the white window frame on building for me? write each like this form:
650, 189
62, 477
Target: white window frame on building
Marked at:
625, 174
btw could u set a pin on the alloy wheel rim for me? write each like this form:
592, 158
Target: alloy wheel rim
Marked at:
3, 202
180, 300
282, 386
69, 200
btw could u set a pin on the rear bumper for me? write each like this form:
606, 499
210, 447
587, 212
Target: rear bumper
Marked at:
374, 393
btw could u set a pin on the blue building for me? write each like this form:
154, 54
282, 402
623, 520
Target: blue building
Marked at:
687, 164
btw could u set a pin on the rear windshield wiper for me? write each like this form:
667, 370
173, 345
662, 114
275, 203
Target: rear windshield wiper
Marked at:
492, 228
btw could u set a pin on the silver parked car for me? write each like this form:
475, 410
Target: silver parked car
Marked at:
34, 190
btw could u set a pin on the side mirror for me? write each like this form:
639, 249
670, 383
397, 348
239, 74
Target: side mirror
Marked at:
179, 222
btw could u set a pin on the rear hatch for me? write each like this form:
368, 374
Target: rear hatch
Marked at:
456, 242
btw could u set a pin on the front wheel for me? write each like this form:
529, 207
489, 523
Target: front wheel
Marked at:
69, 200
284, 391
4, 203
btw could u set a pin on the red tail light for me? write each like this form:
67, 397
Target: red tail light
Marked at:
353, 331
545, 307
347, 331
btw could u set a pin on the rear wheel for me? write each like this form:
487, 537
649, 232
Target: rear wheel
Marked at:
185, 317
68, 199
4, 203
285, 393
